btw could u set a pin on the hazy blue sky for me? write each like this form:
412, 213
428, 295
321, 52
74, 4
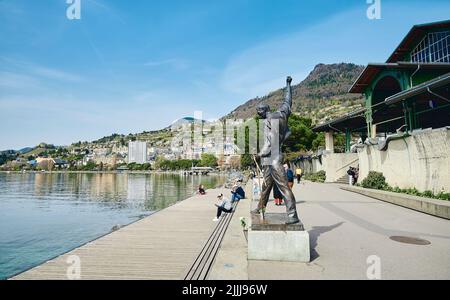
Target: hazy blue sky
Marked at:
130, 66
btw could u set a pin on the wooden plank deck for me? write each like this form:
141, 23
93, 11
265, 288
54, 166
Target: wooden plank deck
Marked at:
205, 260
161, 246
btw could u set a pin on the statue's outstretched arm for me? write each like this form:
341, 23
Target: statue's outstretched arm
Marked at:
287, 103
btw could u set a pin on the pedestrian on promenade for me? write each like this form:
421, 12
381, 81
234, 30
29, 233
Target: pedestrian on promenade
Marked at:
256, 189
278, 197
290, 175
298, 173
224, 206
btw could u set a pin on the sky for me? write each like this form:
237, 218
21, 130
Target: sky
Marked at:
133, 66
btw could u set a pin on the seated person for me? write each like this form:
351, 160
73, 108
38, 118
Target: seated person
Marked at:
201, 190
237, 193
224, 205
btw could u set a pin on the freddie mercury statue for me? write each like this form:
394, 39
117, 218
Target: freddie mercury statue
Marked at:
276, 132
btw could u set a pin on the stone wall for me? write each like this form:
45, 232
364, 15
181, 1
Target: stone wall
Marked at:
335, 165
421, 160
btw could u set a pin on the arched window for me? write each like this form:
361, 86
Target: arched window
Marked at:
385, 87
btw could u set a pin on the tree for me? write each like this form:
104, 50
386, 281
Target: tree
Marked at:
208, 160
3, 159
90, 166
235, 162
159, 162
146, 167
302, 136
247, 161
319, 141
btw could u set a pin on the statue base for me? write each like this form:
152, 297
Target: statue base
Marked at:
271, 239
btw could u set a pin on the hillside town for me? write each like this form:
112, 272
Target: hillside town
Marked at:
141, 152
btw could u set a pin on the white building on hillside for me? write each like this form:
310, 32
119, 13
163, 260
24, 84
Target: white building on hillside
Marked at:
137, 152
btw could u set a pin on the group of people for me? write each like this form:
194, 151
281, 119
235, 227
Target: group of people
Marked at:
225, 205
353, 174
278, 197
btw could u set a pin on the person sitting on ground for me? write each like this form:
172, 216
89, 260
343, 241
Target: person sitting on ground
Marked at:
224, 205
237, 193
201, 190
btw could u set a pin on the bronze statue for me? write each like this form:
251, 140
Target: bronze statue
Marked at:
276, 132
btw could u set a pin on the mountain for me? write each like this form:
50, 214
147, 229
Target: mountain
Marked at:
321, 96
183, 121
25, 150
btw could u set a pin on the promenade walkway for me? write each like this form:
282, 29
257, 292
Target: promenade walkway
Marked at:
161, 246
346, 229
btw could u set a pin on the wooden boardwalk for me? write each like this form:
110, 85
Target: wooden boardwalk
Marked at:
161, 246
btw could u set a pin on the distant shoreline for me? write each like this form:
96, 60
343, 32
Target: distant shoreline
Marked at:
111, 172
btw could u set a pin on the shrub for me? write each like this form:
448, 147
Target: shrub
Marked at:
321, 176
413, 192
316, 177
397, 190
428, 194
375, 180
443, 196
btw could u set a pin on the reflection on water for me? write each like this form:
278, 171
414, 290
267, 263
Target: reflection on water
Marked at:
44, 215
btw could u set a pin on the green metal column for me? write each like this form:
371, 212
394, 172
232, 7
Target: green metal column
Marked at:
409, 109
368, 113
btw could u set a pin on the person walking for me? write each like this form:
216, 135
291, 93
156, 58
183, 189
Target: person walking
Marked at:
278, 197
298, 173
290, 176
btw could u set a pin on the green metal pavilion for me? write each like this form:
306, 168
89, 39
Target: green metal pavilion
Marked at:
410, 91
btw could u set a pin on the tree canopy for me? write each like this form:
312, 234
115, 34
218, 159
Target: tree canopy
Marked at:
208, 160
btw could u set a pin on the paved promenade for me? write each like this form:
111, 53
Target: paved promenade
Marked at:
346, 228
161, 246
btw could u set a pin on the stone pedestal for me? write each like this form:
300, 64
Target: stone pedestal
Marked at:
271, 239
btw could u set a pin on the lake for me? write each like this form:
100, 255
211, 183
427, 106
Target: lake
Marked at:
44, 215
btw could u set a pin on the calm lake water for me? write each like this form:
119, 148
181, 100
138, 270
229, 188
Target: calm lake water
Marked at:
45, 215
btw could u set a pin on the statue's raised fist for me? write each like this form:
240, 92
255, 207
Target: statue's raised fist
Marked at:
289, 80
